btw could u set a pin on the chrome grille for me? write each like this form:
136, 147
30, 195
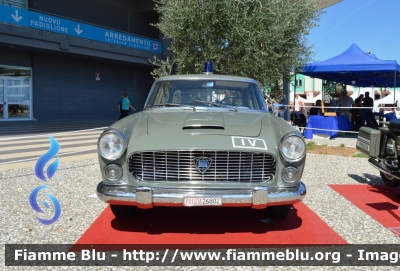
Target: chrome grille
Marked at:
228, 166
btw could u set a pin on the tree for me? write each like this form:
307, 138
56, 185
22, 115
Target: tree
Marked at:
165, 67
261, 39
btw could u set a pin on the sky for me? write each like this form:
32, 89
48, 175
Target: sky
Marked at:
373, 25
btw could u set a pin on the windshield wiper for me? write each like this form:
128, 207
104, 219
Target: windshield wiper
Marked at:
207, 102
167, 104
175, 105
230, 106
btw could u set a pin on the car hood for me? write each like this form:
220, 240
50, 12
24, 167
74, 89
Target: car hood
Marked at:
247, 131
213, 123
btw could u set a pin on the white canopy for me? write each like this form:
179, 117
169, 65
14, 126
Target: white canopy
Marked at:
389, 99
319, 97
292, 97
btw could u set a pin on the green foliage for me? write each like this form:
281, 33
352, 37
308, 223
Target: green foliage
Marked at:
360, 155
310, 145
342, 145
262, 39
165, 67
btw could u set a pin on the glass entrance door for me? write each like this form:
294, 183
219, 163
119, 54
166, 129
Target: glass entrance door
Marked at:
15, 98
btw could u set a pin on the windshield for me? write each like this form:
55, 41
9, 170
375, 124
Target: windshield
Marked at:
208, 93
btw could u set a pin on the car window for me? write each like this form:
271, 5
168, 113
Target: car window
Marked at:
218, 93
162, 94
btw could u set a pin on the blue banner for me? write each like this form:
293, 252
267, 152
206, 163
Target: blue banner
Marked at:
21, 17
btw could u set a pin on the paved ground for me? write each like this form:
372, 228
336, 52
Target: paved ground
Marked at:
22, 143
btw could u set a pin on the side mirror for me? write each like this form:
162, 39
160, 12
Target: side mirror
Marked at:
398, 104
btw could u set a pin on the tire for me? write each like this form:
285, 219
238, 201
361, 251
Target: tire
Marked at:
389, 180
123, 211
279, 212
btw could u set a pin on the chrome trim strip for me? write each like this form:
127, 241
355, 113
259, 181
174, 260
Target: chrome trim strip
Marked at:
289, 197
146, 197
260, 197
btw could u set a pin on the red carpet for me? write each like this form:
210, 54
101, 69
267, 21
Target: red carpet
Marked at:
238, 226
380, 202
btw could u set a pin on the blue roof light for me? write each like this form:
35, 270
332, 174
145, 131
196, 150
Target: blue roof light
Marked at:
208, 68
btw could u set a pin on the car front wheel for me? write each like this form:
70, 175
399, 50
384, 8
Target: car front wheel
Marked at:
122, 211
279, 212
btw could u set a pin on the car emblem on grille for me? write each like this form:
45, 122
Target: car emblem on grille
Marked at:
202, 163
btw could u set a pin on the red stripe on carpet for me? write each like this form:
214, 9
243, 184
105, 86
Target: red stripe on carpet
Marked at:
380, 202
210, 226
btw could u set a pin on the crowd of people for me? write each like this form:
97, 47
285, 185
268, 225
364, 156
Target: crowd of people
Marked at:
359, 112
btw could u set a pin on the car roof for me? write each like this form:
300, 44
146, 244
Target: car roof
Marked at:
207, 76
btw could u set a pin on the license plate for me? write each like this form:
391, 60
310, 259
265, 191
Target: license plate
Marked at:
216, 201
363, 143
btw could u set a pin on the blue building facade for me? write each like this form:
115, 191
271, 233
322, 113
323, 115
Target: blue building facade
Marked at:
74, 59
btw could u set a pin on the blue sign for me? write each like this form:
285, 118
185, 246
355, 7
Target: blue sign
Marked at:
22, 17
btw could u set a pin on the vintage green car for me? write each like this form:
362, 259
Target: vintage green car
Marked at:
202, 140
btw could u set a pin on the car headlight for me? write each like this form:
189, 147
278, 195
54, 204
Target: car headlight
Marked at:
290, 174
293, 148
113, 172
112, 144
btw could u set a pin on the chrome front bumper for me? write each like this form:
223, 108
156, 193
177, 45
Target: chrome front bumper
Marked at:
147, 197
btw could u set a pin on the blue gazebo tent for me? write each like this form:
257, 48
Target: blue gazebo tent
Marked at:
354, 67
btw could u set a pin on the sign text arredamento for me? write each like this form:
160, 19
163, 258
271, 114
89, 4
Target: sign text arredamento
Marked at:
31, 19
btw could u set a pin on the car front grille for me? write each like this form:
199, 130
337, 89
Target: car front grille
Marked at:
224, 166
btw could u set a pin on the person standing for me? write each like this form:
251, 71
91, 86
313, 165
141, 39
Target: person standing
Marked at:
284, 102
298, 106
356, 113
14, 110
346, 102
125, 105
367, 114
316, 110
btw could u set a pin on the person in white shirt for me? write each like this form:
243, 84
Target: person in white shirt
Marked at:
298, 106
346, 102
